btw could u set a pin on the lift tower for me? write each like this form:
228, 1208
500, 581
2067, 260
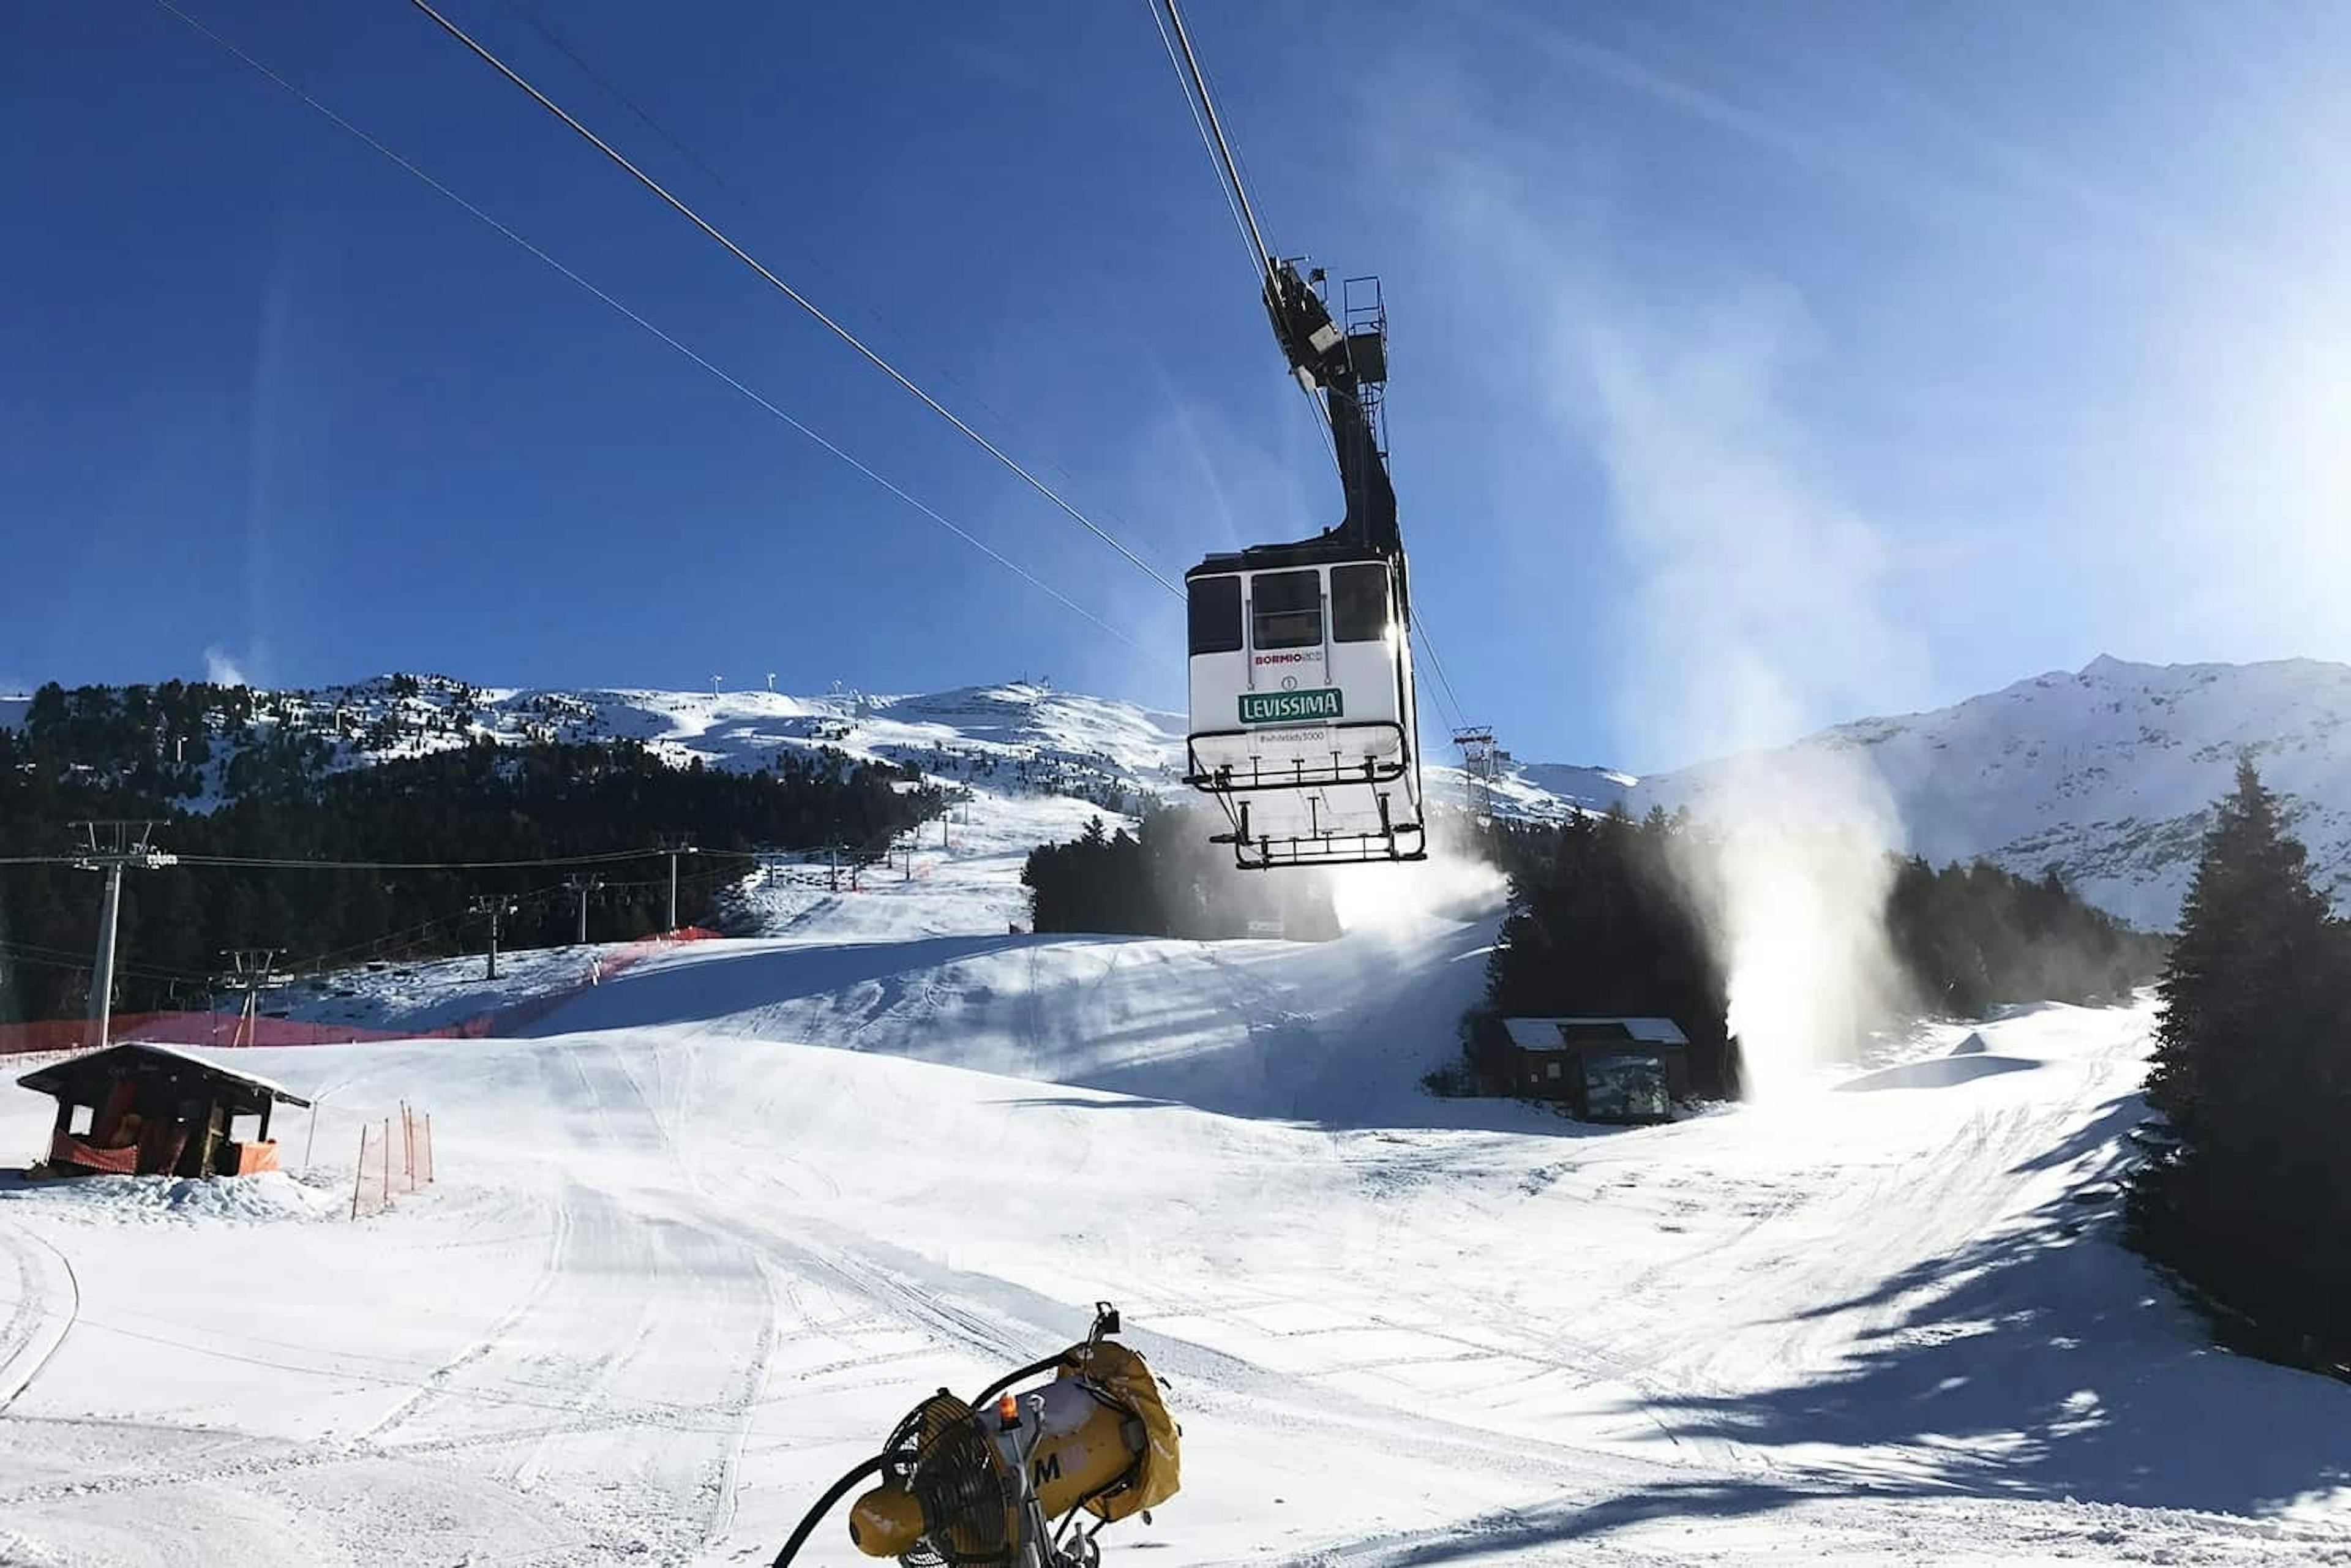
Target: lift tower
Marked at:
109, 847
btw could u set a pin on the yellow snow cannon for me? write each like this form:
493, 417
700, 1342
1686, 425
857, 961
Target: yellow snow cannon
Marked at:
1009, 1478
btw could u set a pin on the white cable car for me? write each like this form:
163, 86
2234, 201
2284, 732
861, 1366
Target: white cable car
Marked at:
1303, 719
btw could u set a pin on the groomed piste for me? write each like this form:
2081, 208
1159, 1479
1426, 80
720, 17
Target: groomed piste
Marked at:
738, 1208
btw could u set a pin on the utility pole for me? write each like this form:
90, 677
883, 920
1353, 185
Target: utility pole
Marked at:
674, 845
832, 867
251, 968
583, 885
497, 908
109, 847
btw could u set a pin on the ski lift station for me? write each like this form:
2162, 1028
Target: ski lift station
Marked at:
1602, 1069
148, 1110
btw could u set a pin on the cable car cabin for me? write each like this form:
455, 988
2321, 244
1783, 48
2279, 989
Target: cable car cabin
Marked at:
1302, 704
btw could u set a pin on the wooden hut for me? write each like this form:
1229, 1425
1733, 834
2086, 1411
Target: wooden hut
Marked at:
149, 1110
1602, 1069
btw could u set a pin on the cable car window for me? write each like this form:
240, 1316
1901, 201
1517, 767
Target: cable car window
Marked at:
1288, 607
1359, 604
1215, 614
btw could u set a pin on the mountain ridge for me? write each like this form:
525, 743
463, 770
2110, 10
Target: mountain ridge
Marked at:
2104, 774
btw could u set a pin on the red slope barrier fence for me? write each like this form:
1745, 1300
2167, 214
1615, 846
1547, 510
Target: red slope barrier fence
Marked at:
221, 1028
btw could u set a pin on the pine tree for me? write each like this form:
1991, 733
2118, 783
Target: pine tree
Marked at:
2254, 957
2252, 1069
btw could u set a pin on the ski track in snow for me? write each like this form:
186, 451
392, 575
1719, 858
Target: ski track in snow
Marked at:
41, 1314
701, 1243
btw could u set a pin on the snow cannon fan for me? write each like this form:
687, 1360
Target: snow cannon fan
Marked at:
965, 1486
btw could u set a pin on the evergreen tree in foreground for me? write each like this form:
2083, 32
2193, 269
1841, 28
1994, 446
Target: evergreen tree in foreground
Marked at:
2253, 1068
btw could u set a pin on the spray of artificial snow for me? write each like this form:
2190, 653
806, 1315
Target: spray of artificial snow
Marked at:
1755, 610
1398, 900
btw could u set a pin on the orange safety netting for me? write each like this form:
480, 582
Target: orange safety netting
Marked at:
222, 1028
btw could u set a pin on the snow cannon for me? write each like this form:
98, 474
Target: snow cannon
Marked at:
1011, 1479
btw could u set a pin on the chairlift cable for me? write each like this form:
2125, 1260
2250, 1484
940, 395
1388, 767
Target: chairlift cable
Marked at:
868, 472
288, 862
843, 333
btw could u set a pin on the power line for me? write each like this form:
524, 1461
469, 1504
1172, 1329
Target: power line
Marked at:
997, 557
843, 333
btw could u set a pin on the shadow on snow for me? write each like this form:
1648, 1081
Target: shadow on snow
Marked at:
2049, 1362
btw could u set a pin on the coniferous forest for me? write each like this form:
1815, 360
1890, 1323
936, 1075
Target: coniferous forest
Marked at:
2252, 1205
139, 755
1166, 878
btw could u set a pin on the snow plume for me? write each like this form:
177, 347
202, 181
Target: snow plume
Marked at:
222, 670
1400, 900
1752, 599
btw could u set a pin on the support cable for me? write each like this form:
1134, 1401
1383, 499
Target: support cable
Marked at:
1429, 647
747, 259
1223, 148
1005, 561
1208, 142
1199, 100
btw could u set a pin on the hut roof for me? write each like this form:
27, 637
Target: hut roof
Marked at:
1559, 1033
86, 1077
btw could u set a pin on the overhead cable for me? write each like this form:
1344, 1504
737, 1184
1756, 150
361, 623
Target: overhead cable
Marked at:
747, 259
997, 557
1222, 149
263, 862
1197, 98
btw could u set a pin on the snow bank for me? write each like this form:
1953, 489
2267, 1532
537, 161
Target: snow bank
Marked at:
269, 1198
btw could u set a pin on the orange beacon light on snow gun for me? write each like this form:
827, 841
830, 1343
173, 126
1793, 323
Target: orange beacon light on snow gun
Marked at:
1009, 1478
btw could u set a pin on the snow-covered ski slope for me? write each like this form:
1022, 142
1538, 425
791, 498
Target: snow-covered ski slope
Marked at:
695, 1251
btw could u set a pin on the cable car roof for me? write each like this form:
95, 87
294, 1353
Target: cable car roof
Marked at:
1324, 550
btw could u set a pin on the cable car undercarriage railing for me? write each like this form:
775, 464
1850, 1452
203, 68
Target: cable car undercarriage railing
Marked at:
1254, 850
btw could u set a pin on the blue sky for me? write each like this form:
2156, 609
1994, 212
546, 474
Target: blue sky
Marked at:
1754, 367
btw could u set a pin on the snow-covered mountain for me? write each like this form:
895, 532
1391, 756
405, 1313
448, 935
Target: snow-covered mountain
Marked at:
1019, 738
2107, 773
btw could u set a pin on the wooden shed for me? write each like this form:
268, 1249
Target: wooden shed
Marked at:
1602, 1069
149, 1110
